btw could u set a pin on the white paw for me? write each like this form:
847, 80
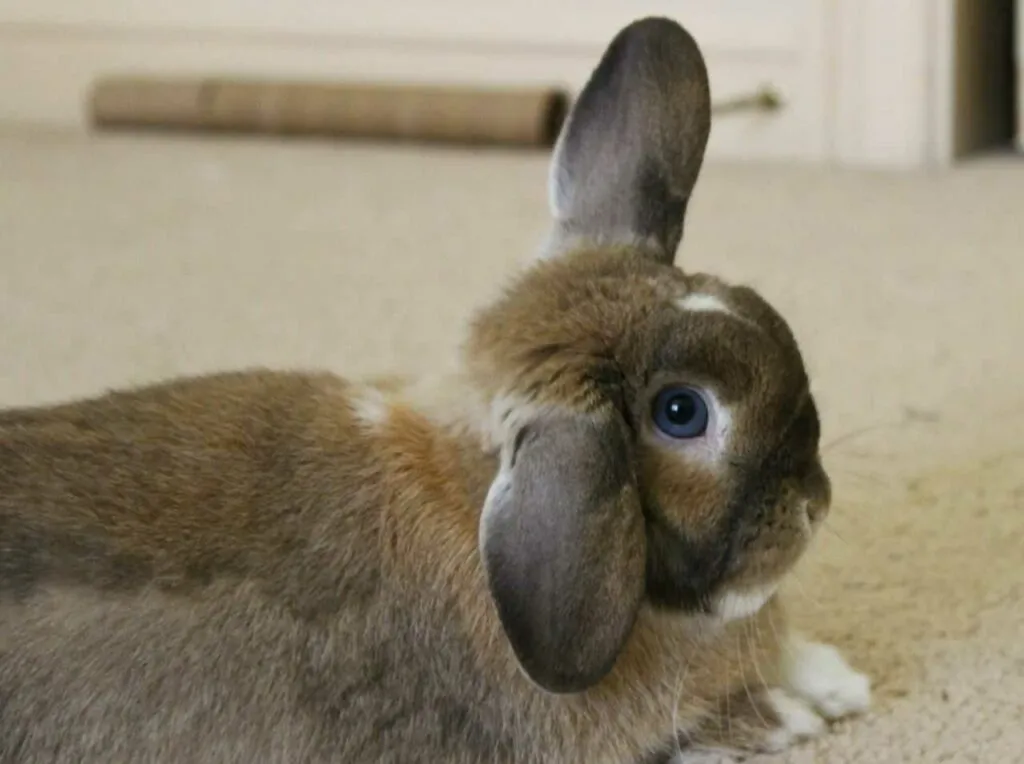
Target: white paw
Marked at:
822, 677
798, 721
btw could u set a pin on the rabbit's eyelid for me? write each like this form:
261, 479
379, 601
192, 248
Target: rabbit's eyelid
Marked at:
722, 423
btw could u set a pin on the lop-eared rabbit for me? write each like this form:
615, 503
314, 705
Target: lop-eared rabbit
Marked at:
566, 551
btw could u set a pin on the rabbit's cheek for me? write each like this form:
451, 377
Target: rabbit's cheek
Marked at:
686, 510
689, 496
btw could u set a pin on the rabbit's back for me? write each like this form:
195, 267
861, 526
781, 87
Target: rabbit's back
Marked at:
177, 485
196, 571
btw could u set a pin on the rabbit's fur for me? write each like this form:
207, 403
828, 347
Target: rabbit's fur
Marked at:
510, 565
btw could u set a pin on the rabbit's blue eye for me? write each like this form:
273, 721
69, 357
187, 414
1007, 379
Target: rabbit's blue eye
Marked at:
680, 412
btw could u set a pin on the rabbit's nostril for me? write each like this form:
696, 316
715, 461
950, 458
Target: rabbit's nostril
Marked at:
816, 509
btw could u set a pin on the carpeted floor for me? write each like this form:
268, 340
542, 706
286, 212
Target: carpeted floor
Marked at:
123, 260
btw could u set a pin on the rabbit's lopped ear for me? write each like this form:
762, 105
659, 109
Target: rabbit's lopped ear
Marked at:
563, 544
630, 152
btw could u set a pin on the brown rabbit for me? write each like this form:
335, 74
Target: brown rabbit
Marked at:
566, 552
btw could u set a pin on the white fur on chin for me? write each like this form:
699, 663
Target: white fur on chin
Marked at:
743, 603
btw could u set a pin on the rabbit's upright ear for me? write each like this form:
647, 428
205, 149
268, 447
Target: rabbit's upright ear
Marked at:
630, 152
564, 548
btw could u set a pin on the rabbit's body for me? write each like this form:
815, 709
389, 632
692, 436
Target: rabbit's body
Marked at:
230, 553
567, 551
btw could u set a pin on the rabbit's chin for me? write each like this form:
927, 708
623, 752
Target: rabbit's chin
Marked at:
742, 602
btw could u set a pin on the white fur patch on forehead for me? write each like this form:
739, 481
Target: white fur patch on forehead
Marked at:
699, 302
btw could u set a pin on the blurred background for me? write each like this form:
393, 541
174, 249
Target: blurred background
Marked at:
864, 82
210, 184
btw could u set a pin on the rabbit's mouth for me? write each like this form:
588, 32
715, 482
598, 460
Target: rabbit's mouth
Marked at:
731, 574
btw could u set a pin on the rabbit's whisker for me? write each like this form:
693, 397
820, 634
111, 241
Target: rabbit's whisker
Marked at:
753, 653
677, 729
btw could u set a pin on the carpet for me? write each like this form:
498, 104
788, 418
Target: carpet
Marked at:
127, 259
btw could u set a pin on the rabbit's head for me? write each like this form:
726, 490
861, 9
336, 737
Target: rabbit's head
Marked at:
659, 442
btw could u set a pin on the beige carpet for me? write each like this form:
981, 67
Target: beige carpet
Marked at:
124, 260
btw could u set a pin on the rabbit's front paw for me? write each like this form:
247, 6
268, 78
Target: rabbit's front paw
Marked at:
796, 721
818, 686
819, 675
754, 721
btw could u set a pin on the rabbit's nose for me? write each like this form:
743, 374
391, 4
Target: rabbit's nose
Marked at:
816, 509
817, 491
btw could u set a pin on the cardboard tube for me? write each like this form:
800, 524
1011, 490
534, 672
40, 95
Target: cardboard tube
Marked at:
526, 117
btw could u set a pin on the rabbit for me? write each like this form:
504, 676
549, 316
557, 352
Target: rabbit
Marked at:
568, 549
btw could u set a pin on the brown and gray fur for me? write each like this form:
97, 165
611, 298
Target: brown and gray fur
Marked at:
505, 566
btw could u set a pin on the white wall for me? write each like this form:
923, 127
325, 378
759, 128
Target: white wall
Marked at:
813, 51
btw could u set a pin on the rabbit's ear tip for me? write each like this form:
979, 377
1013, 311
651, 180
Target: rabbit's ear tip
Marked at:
630, 151
654, 28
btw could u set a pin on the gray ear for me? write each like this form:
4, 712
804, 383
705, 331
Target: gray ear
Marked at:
630, 152
563, 545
